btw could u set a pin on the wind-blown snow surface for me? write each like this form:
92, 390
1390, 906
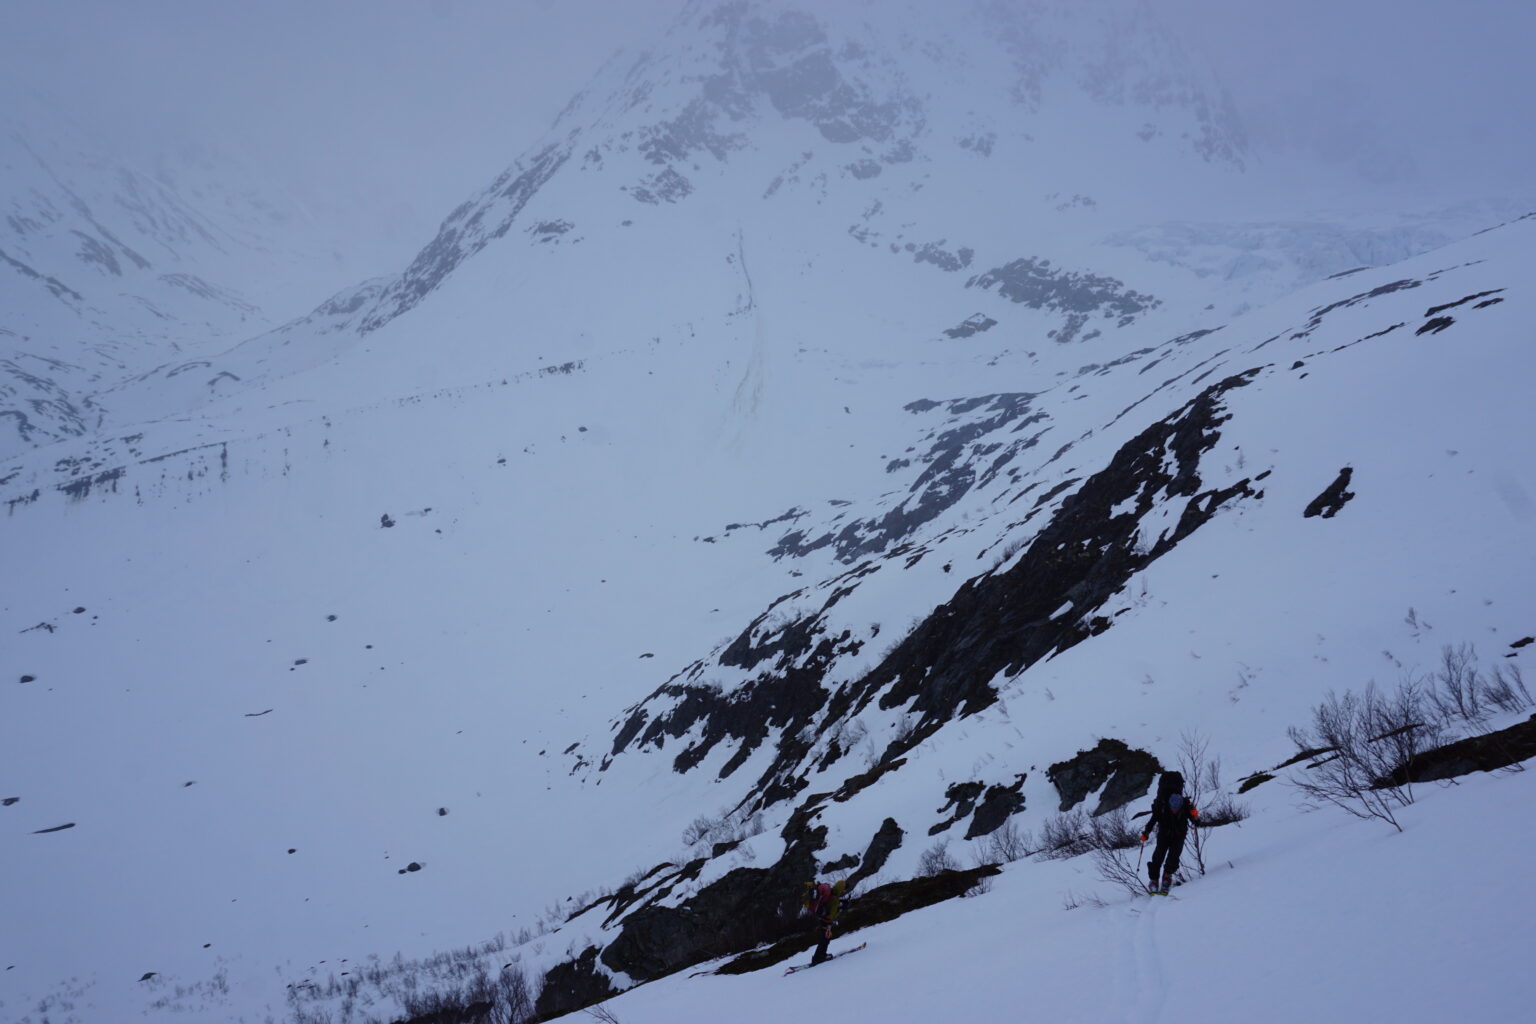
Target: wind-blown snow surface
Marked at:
445, 538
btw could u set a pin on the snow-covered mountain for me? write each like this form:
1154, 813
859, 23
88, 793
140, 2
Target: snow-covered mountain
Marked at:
111, 267
842, 436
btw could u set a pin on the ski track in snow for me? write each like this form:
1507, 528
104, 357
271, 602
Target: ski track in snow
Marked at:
1141, 989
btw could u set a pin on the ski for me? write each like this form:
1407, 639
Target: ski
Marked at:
834, 956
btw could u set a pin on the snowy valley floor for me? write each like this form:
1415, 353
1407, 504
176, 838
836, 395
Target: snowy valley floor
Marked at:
1302, 917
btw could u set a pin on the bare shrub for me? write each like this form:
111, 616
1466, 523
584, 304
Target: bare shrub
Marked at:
1111, 839
1458, 689
936, 859
1202, 784
1366, 737
510, 994
699, 829
1111, 831
518, 994
729, 828
1506, 690
1006, 844
1071, 900
1064, 835
1114, 865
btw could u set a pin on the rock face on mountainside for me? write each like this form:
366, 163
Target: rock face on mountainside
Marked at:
1037, 601
1111, 768
995, 626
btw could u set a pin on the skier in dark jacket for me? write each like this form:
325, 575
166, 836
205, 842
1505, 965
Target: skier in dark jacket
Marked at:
822, 901
1173, 812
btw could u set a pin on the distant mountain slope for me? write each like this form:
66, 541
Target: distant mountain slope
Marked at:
108, 270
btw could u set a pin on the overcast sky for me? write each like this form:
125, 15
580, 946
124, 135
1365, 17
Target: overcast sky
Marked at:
397, 110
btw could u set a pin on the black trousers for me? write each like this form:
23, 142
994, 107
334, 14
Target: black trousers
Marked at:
823, 935
1165, 855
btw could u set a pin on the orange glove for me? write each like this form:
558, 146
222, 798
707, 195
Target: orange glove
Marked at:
1143, 837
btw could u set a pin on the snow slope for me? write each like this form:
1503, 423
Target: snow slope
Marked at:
1308, 917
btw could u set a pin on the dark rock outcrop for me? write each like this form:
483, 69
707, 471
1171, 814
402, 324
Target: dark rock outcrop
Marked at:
885, 842
1486, 753
1334, 498
998, 805
745, 907
1125, 774
962, 796
572, 985
877, 906
956, 461
1078, 296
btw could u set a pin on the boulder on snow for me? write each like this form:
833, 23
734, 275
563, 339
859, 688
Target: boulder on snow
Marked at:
1125, 774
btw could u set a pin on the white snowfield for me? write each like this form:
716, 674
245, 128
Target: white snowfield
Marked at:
1301, 917
320, 645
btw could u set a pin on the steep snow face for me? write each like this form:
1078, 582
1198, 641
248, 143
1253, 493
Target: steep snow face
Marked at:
854, 93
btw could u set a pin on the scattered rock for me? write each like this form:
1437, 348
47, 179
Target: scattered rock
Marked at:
80, 611
442, 812
29, 679
10, 800
385, 522
148, 975
412, 866
258, 714
962, 796
1332, 499
56, 828
997, 806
